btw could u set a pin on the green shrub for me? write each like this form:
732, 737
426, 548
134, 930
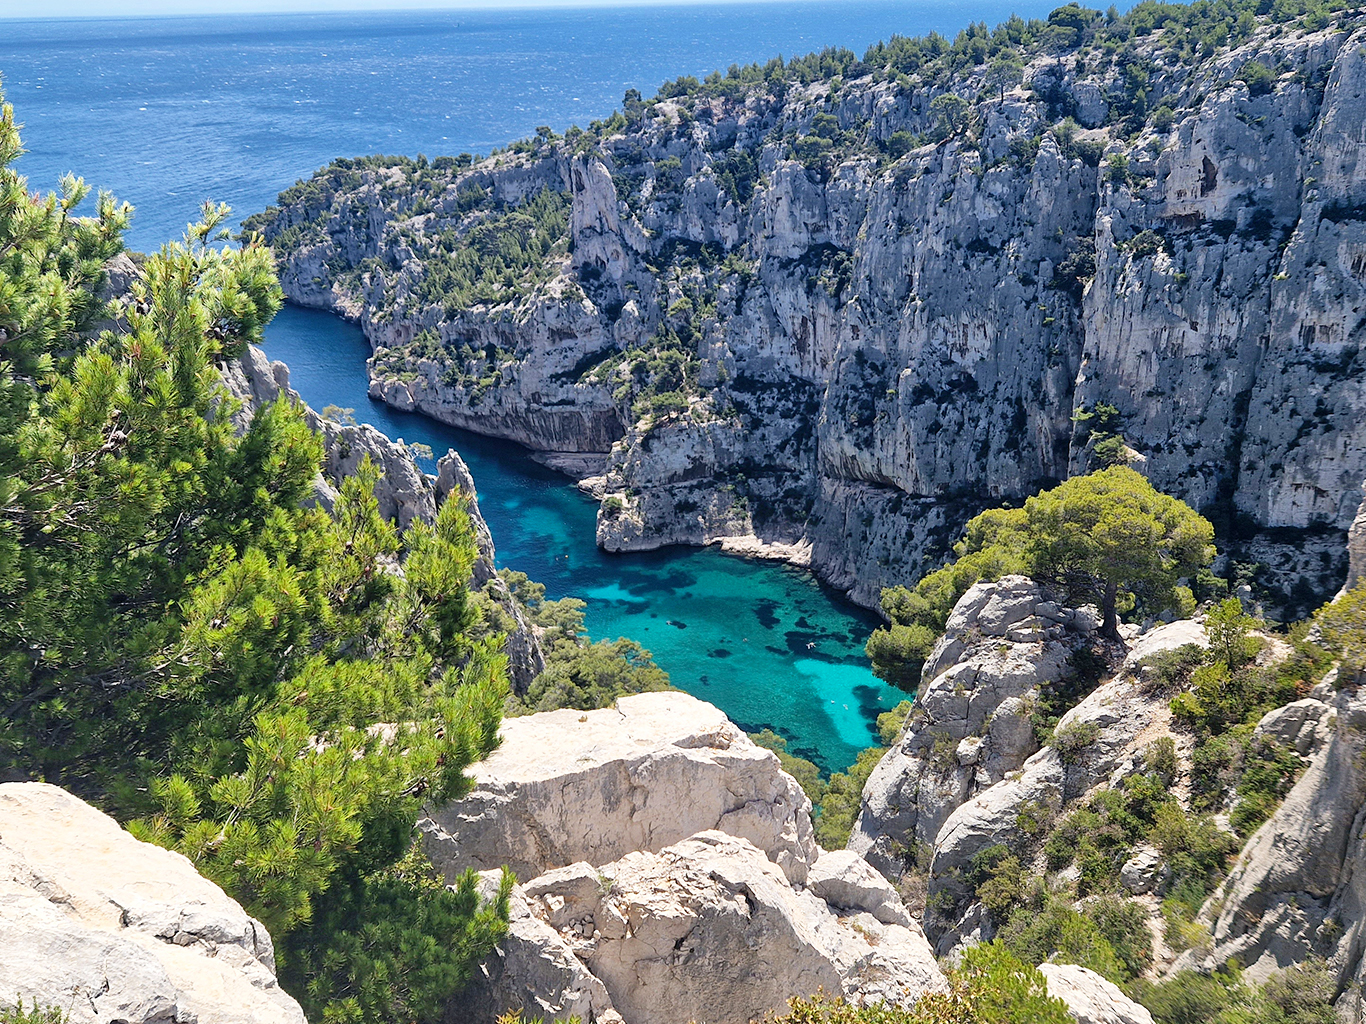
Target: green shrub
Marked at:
990, 986
35, 1014
843, 799
1054, 930
807, 773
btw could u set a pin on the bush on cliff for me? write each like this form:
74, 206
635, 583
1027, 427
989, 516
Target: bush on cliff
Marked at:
579, 673
181, 639
1108, 537
990, 986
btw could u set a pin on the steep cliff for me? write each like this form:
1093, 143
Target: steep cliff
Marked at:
843, 304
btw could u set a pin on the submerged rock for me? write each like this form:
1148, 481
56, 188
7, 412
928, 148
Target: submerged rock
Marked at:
115, 931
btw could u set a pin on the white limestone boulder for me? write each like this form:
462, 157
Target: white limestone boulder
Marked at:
706, 930
1090, 998
111, 929
656, 768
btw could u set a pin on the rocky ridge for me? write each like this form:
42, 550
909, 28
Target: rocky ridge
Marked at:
815, 313
115, 931
404, 492
669, 874
970, 761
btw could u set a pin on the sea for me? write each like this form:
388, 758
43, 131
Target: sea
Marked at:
167, 112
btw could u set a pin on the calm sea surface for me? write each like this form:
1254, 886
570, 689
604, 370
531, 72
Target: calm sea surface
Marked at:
167, 112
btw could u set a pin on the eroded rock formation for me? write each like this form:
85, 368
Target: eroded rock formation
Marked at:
970, 726
669, 875
115, 931
874, 345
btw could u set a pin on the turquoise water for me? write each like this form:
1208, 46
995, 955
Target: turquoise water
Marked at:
766, 643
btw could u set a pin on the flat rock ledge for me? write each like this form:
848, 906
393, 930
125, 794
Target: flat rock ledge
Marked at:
568, 786
112, 930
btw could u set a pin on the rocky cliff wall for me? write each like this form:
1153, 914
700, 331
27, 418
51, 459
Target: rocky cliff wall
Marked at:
817, 311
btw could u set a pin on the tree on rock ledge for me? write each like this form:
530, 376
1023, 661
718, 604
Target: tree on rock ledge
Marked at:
1110, 534
1109, 537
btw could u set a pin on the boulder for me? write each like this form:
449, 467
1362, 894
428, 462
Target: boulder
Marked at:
971, 725
845, 880
654, 769
111, 929
534, 971
1090, 998
1143, 872
706, 930
1301, 725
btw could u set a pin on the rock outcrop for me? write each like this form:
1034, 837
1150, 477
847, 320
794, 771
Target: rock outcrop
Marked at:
796, 313
404, 493
971, 724
669, 875
1356, 549
1090, 998
1299, 887
115, 931
652, 770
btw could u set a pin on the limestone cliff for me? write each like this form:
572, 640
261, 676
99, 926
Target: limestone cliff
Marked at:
835, 308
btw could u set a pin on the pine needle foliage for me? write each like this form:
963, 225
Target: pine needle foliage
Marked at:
269, 688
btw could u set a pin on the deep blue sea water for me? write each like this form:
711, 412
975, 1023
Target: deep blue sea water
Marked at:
166, 112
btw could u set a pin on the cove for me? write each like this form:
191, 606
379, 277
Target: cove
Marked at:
767, 643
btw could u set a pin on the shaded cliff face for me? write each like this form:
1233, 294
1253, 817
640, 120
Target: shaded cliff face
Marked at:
833, 307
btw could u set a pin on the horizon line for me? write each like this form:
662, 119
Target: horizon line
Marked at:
186, 9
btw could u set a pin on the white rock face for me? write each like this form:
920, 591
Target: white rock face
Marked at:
893, 335
1356, 548
111, 929
844, 879
970, 726
706, 930
569, 786
1299, 887
1090, 998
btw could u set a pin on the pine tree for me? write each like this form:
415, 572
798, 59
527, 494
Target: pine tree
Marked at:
271, 689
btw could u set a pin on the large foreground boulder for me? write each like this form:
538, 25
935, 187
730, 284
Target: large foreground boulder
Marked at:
594, 786
706, 930
116, 931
